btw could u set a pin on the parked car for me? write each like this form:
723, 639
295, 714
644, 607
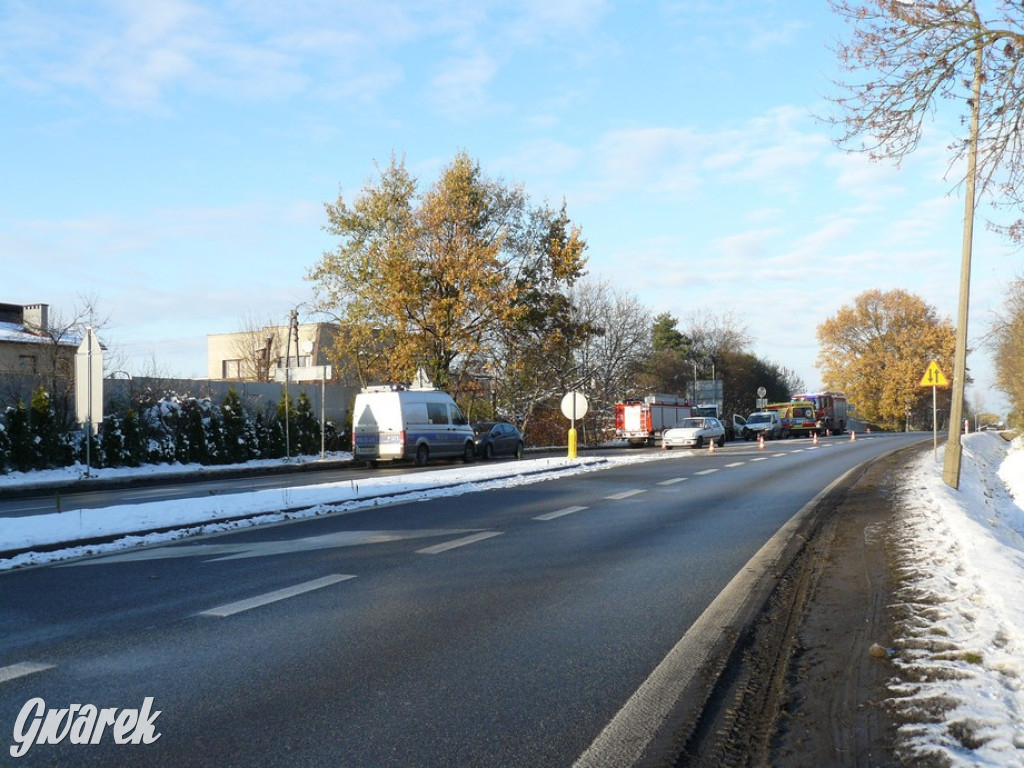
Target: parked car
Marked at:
497, 438
763, 423
696, 432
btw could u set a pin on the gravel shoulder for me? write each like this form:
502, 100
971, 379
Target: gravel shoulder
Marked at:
807, 686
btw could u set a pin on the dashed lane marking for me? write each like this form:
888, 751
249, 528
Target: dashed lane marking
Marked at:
559, 513
272, 597
736, 464
673, 481
439, 548
626, 494
21, 669
708, 471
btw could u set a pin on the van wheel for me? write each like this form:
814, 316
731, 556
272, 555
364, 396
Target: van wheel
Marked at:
422, 456
469, 453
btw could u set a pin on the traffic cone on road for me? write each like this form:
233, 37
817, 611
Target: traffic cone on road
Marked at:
815, 440
760, 442
853, 435
713, 447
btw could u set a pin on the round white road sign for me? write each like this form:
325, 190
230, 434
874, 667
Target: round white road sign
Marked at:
574, 405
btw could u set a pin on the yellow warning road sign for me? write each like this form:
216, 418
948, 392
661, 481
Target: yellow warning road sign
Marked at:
933, 377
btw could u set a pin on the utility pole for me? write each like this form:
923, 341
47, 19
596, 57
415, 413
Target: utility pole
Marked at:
951, 463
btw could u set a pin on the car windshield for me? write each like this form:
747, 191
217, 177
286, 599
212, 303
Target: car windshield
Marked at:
482, 428
692, 423
757, 418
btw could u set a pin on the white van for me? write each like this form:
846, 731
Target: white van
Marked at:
392, 423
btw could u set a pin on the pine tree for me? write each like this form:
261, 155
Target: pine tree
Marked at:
236, 429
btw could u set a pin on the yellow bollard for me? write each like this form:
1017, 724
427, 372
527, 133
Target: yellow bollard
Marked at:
572, 443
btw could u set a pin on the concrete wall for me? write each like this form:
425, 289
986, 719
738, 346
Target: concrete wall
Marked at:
337, 400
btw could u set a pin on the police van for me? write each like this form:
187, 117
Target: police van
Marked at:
392, 423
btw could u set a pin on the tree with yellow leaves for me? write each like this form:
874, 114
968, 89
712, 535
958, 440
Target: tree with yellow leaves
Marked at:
876, 352
425, 279
1007, 342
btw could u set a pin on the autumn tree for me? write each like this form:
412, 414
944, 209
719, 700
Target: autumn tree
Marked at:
877, 350
1007, 343
424, 278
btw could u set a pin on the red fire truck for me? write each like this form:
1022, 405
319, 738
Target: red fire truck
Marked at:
829, 411
641, 421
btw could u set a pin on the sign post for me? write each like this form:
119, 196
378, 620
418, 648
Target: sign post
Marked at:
319, 373
934, 378
89, 389
574, 406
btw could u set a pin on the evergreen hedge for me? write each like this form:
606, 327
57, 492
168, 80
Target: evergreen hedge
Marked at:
186, 430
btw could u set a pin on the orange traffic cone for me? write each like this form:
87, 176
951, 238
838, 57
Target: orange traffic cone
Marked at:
712, 447
760, 442
815, 440
853, 435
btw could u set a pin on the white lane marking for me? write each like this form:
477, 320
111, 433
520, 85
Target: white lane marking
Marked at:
736, 464
14, 671
673, 481
760, 458
625, 494
439, 548
559, 513
708, 471
272, 597
774, 455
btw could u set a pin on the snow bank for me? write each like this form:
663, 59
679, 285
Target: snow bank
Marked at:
960, 606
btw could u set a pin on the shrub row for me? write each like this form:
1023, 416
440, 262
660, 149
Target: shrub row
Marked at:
173, 429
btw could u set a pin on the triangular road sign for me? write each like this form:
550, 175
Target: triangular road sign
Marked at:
933, 377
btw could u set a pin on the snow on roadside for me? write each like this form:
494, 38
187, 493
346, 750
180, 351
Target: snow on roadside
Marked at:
176, 519
959, 651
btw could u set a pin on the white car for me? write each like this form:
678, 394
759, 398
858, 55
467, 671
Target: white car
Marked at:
696, 431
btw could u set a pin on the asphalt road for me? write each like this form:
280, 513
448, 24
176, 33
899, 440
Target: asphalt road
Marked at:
516, 627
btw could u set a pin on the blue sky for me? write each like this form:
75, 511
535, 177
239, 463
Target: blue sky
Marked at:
172, 158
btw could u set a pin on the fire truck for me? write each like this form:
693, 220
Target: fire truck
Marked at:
830, 411
641, 421
796, 417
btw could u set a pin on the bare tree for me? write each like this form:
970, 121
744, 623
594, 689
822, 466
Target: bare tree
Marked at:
712, 336
63, 332
256, 346
611, 363
907, 57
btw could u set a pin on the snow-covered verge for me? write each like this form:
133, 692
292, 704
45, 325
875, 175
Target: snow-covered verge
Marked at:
959, 651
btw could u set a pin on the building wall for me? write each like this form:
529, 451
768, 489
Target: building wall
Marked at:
232, 356
29, 358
